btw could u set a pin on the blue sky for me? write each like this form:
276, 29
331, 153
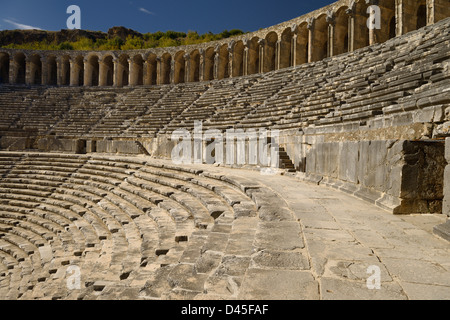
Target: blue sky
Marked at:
151, 16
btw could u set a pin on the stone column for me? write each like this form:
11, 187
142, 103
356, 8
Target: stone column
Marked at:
294, 50
73, 79
116, 72
245, 62
187, 68
201, 72
351, 29
443, 230
311, 44
87, 74
28, 72
146, 80
131, 73
430, 12
13, 70
230, 61
59, 71
331, 20
399, 17
158, 71
372, 32
172, 71
262, 44
216, 64
45, 70
278, 55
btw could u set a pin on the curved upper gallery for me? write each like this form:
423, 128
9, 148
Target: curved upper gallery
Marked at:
332, 30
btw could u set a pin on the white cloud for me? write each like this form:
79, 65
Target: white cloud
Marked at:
21, 26
146, 11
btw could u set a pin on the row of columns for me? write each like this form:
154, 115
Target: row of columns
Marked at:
319, 38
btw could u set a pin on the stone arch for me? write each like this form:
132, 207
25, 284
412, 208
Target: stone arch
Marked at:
270, 45
319, 46
285, 48
35, 70
387, 8
302, 44
414, 14
238, 59
92, 71
179, 67
194, 69
52, 71
361, 32
421, 16
166, 67
19, 68
77, 71
209, 64
222, 67
107, 71
253, 56
4, 67
65, 70
340, 42
137, 71
123, 71
151, 70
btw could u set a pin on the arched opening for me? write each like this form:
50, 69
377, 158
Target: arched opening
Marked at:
123, 71
253, 56
107, 71
194, 72
137, 71
421, 16
65, 70
320, 39
361, 32
52, 71
270, 52
285, 48
77, 74
222, 70
238, 60
301, 54
92, 72
387, 8
4, 67
35, 70
151, 75
414, 14
166, 65
179, 68
340, 44
20, 68
209, 64
392, 28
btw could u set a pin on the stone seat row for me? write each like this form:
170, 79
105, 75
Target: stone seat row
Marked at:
117, 214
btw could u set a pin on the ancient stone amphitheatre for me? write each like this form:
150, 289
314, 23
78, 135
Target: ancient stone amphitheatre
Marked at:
92, 205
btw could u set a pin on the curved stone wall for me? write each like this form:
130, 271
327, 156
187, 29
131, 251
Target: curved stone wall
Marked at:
335, 29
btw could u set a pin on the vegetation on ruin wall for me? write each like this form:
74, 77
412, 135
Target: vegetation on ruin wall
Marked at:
146, 41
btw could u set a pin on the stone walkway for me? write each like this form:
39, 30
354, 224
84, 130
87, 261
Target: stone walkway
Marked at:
332, 246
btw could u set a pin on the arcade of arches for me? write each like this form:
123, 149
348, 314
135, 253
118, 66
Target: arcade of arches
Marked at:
338, 30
